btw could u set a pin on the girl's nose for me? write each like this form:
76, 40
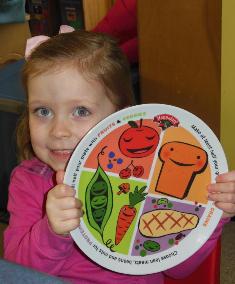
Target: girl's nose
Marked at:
60, 128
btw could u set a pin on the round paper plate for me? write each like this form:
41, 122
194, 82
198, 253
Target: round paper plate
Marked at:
142, 174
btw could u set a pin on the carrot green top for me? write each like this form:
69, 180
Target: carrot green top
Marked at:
137, 196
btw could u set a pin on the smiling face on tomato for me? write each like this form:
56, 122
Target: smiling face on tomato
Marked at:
138, 141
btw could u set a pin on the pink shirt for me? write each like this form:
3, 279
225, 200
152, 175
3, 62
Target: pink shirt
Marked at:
29, 241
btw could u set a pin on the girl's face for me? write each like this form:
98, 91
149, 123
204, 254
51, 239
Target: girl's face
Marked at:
63, 106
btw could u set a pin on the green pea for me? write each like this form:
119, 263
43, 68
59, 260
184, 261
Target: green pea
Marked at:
143, 253
99, 214
169, 205
151, 246
99, 202
162, 201
99, 188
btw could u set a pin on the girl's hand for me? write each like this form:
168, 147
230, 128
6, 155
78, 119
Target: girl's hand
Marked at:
223, 193
62, 207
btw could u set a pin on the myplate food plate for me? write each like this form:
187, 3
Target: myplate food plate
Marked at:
142, 175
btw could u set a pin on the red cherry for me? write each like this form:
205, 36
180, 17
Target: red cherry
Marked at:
125, 173
138, 171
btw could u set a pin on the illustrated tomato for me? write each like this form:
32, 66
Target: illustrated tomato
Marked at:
138, 141
138, 171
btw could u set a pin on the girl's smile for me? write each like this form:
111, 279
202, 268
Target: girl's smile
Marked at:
62, 155
63, 106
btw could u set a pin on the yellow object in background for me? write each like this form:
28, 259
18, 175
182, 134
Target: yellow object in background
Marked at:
227, 133
94, 11
13, 41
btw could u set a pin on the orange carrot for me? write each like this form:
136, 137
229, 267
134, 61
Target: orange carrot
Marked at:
127, 213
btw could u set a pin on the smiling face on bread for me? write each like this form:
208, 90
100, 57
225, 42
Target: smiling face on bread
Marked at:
185, 155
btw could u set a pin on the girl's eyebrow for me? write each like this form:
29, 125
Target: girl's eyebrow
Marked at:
85, 103
32, 103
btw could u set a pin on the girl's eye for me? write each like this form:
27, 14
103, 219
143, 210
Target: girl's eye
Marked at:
81, 111
43, 111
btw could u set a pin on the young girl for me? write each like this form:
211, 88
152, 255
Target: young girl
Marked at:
73, 81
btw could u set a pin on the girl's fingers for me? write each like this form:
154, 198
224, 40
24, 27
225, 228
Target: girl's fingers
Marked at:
222, 197
228, 208
71, 224
69, 203
66, 226
226, 177
71, 214
228, 187
62, 190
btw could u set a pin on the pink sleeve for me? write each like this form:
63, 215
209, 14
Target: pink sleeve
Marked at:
28, 239
188, 266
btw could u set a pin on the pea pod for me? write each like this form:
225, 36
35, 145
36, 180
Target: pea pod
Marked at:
99, 196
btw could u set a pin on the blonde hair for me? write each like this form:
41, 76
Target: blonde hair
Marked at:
96, 56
